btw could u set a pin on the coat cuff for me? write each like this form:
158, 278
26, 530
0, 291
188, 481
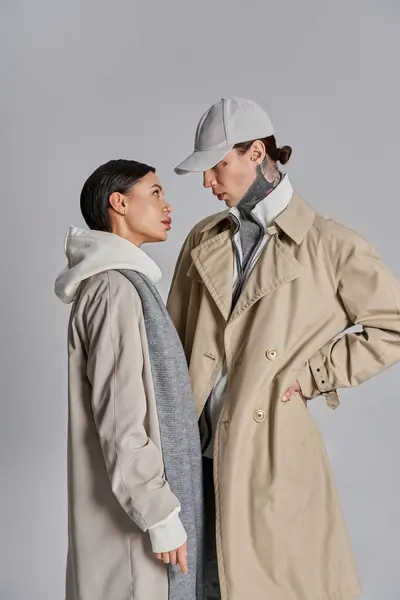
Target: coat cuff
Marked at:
307, 382
168, 534
315, 381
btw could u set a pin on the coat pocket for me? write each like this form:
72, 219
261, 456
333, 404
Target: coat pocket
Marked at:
310, 427
296, 420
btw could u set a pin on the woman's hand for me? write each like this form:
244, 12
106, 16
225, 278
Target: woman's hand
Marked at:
294, 389
176, 557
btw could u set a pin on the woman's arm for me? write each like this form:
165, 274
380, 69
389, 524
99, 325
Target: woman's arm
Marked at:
114, 368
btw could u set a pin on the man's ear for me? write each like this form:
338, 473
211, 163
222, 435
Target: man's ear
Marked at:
257, 152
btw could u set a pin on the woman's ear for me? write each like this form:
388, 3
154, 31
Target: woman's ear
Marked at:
118, 202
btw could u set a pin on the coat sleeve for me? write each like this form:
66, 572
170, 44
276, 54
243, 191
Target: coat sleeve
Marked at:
114, 369
370, 296
179, 293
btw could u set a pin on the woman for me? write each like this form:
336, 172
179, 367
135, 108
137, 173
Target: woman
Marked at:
134, 458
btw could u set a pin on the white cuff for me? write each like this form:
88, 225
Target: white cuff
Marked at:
168, 534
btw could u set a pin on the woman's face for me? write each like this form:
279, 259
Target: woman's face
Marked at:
145, 214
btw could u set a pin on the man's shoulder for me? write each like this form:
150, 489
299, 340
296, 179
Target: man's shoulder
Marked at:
206, 225
335, 232
211, 221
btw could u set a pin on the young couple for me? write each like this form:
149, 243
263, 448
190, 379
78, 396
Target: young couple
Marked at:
195, 471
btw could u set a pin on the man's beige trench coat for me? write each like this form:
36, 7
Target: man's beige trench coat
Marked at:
280, 531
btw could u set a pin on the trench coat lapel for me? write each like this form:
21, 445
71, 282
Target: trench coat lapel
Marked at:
275, 267
213, 260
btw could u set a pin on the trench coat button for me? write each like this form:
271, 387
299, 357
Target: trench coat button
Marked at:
271, 354
259, 415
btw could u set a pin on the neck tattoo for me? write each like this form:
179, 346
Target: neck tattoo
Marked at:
267, 178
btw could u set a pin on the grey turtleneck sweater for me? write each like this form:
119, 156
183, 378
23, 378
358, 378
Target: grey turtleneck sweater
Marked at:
251, 230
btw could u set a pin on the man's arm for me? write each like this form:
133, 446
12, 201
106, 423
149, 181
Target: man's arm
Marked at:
179, 293
370, 295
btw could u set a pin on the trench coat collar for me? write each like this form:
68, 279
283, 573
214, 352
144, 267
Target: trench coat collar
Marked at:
295, 220
213, 259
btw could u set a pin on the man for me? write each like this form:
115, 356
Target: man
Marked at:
259, 293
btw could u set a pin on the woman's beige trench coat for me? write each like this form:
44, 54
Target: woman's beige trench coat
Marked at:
280, 531
121, 509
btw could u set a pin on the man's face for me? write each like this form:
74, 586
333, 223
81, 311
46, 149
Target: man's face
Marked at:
230, 179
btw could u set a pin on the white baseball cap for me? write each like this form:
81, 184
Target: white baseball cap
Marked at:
228, 122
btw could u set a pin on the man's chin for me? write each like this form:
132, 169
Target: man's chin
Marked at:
230, 203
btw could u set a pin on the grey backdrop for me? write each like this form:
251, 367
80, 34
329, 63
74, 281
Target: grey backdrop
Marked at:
84, 81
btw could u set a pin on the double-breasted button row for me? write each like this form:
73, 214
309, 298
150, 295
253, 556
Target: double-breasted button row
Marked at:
271, 354
259, 415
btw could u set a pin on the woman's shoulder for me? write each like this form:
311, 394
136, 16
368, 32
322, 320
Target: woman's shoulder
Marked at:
110, 287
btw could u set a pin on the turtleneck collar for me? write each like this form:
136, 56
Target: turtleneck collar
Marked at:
267, 208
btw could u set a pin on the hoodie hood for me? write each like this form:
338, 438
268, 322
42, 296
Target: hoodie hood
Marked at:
91, 252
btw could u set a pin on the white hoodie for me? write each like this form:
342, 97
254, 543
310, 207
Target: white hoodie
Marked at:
90, 252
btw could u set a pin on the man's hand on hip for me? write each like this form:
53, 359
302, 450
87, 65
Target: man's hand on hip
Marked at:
293, 389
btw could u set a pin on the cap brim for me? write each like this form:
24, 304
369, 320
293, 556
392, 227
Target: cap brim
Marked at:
201, 160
